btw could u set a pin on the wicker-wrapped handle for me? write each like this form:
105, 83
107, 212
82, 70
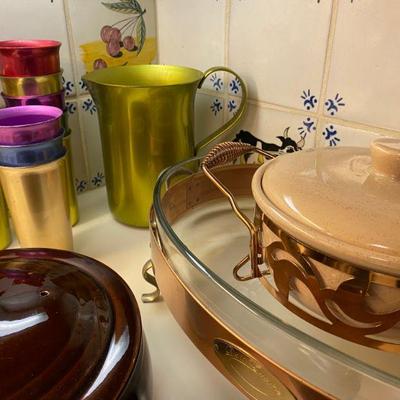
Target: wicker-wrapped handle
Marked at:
226, 152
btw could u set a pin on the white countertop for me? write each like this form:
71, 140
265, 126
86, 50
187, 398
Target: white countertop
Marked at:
180, 371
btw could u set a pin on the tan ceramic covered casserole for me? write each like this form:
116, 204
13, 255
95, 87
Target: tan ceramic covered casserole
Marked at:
325, 239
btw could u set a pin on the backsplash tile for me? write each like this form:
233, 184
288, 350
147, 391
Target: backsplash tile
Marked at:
81, 174
365, 63
279, 48
91, 135
135, 34
209, 115
39, 19
77, 25
308, 65
334, 134
276, 130
191, 33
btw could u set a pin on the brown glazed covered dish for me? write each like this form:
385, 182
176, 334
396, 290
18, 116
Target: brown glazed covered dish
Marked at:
70, 328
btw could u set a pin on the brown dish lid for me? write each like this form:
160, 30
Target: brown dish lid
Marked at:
69, 327
343, 201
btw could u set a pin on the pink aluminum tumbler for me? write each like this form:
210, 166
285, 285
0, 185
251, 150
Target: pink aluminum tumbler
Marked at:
29, 124
29, 57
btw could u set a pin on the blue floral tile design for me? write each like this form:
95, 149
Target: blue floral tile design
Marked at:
307, 127
309, 100
232, 106
216, 106
82, 85
80, 185
330, 135
332, 105
234, 86
217, 82
68, 86
71, 107
89, 106
98, 179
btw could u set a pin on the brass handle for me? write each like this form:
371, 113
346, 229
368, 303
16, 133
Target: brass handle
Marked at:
234, 120
150, 278
220, 155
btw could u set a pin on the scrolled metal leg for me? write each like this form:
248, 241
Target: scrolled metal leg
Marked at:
150, 278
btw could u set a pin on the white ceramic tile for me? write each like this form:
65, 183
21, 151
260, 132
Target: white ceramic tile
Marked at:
215, 82
78, 160
280, 131
91, 135
365, 62
87, 19
39, 19
191, 33
209, 115
333, 135
231, 107
278, 46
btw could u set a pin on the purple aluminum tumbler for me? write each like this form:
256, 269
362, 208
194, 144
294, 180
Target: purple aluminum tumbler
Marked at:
53, 99
29, 124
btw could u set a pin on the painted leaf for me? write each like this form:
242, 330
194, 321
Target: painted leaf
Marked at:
122, 7
135, 4
140, 33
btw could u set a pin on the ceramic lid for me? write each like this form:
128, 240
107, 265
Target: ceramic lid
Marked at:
69, 327
344, 201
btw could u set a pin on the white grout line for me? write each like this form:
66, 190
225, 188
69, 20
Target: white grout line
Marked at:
327, 67
278, 107
227, 24
72, 51
156, 13
304, 113
361, 126
228, 8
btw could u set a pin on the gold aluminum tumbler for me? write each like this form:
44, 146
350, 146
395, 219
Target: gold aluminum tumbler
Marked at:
38, 202
5, 236
72, 199
146, 117
31, 85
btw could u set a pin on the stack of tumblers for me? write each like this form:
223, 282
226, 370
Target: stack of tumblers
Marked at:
35, 151
33, 175
30, 74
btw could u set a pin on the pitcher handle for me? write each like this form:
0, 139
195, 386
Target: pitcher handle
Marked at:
234, 120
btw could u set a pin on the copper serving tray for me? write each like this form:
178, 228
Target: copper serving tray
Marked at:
262, 354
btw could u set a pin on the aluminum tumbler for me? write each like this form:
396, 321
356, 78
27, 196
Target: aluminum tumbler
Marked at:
29, 124
38, 202
52, 99
31, 85
73, 202
5, 236
29, 57
28, 155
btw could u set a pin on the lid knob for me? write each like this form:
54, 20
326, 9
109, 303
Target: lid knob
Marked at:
385, 154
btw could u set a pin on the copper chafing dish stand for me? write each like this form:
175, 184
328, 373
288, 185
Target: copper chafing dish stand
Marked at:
261, 347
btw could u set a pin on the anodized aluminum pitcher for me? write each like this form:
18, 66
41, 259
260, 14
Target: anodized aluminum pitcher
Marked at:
146, 117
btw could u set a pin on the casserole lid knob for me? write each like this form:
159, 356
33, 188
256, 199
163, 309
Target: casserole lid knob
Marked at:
385, 156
